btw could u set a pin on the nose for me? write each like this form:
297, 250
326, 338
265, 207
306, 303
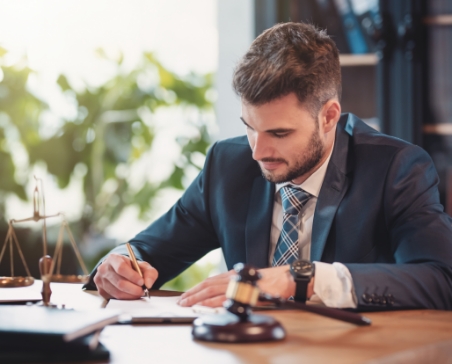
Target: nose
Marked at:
260, 147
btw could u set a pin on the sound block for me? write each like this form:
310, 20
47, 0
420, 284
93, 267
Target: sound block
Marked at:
229, 329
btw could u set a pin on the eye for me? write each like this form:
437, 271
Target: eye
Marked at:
281, 134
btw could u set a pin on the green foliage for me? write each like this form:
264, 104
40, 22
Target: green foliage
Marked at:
107, 136
19, 112
190, 277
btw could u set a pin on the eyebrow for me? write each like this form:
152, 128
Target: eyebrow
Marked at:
278, 130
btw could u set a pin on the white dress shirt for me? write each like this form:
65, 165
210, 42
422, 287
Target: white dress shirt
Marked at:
333, 284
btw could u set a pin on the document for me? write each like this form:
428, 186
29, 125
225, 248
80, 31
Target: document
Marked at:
33, 324
158, 309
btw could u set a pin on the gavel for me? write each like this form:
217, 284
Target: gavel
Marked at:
239, 324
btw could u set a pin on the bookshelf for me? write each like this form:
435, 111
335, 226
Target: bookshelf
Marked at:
402, 83
441, 20
353, 60
359, 72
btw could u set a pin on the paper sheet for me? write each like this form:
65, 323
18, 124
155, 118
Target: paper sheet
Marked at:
158, 309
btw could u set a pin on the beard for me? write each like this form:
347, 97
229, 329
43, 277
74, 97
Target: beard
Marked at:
305, 162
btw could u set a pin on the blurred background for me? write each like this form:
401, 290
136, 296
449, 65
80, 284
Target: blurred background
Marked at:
114, 104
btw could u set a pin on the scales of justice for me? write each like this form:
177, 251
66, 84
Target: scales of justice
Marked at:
47, 264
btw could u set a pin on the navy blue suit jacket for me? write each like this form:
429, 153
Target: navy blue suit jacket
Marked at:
378, 212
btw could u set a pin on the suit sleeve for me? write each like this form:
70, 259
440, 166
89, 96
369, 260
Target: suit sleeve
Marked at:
181, 236
421, 241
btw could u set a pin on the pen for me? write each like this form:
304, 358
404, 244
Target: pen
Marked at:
137, 268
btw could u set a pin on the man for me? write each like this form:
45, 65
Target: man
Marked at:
307, 184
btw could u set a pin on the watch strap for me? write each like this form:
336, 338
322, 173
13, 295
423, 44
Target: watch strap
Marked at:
301, 280
301, 288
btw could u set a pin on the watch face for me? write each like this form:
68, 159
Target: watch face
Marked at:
302, 267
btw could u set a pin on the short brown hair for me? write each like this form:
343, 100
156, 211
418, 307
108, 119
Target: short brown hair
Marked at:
290, 57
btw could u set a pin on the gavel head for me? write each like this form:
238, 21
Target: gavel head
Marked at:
242, 292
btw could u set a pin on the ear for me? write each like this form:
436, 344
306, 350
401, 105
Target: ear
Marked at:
329, 115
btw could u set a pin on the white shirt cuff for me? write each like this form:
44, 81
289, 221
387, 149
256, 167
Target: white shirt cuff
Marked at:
333, 286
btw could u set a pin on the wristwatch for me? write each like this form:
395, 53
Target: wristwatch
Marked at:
302, 271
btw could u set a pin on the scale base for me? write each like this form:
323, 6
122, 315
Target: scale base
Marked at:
229, 329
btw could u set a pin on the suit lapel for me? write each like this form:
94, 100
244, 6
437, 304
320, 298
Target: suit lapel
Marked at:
334, 186
259, 222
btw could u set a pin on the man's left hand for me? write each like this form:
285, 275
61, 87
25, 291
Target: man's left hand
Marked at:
276, 281
210, 292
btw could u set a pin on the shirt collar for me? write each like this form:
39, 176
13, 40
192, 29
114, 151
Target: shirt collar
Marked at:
314, 182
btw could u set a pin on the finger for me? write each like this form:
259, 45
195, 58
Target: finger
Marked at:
104, 294
150, 274
200, 289
99, 278
108, 291
98, 282
125, 285
119, 293
214, 301
112, 283
122, 265
222, 278
208, 292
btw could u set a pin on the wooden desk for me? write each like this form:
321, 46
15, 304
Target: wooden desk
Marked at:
422, 336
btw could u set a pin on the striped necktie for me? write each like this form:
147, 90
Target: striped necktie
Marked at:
293, 200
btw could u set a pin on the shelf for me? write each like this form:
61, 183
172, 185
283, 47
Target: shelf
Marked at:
438, 20
350, 60
439, 129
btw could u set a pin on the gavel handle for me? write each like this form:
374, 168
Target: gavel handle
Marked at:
334, 313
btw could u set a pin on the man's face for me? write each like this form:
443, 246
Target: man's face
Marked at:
285, 139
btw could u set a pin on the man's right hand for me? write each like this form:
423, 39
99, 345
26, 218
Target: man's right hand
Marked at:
115, 278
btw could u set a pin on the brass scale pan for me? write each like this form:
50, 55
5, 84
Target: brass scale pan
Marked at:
10, 282
6, 282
